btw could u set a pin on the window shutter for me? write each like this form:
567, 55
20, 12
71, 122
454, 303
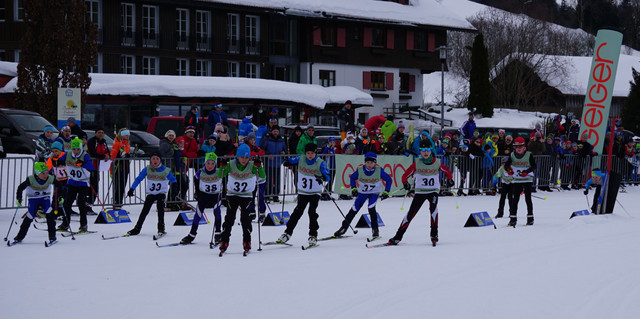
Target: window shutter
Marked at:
432, 42
410, 40
366, 39
317, 35
412, 83
342, 37
390, 39
389, 81
366, 80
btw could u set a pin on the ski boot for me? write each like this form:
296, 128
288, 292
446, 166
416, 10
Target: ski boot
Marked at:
283, 238
312, 240
434, 240
63, 227
499, 215
223, 246
217, 237
529, 221
83, 229
512, 222
393, 241
340, 232
246, 245
134, 231
187, 239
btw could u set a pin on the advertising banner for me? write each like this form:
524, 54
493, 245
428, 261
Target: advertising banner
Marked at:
69, 102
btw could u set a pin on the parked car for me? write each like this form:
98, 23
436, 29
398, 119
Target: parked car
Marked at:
20, 129
322, 133
2, 153
159, 125
146, 143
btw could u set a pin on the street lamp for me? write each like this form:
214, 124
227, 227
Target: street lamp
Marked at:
443, 61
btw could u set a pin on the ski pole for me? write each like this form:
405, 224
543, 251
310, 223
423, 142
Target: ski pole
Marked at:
617, 201
99, 201
68, 219
340, 210
11, 224
405, 197
538, 197
213, 230
587, 198
284, 194
259, 223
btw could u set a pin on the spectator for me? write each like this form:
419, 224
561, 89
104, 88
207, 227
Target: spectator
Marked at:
251, 141
374, 123
544, 169
167, 148
492, 141
64, 137
274, 145
574, 130
535, 132
424, 135
272, 122
75, 129
467, 128
225, 146
397, 145
216, 116
476, 135
245, 126
476, 156
43, 144
388, 128
455, 139
256, 151
273, 114
399, 132
487, 167
294, 138
463, 167
209, 146
328, 155
348, 145
536, 144
120, 166
188, 148
306, 138
346, 119
98, 150
508, 145
362, 140
191, 119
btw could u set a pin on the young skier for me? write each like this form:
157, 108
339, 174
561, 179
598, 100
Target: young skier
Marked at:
366, 184
312, 172
158, 177
39, 188
242, 175
505, 190
57, 166
208, 188
521, 165
79, 167
425, 171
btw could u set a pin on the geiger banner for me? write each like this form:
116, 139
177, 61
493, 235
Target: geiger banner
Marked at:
394, 165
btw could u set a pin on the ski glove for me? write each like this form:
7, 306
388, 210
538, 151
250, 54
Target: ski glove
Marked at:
384, 195
286, 163
130, 192
471, 156
19, 202
222, 162
257, 162
450, 183
354, 191
406, 185
320, 179
79, 162
586, 192
60, 200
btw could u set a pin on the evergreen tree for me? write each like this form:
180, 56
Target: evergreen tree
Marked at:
479, 86
631, 108
57, 50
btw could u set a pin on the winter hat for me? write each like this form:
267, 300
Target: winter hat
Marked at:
447, 136
218, 106
347, 102
445, 141
275, 127
219, 127
125, 133
310, 147
156, 153
243, 151
251, 136
596, 173
494, 136
538, 134
190, 129
476, 131
519, 141
274, 110
464, 147
57, 145
169, 132
213, 136
71, 119
350, 135
47, 128
501, 131
331, 139
370, 157
40, 167
309, 126
66, 128
76, 143
401, 124
211, 157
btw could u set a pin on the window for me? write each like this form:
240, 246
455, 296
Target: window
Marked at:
128, 64
182, 29
378, 38
233, 33
328, 36
252, 70
377, 80
18, 10
93, 12
3, 11
149, 26
97, 67
203, 30
280, 73
128, 27
16, 56
405, 79
182, 66
252, 34
327, 78
149, 65
203, 68
233, 69
420, 41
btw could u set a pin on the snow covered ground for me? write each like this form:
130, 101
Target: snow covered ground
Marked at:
586, 267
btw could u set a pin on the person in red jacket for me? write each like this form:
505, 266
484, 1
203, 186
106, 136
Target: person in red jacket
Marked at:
374, 122
189, 148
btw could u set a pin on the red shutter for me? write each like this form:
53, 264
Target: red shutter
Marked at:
390, 39
317, 35
412, 83
410, 40
432, 42
366, 39
342, 37
366, 80
389, 83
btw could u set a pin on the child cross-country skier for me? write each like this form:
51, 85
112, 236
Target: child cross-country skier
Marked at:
366, 184
39, 187
158, 177
79, 167
521, 165
425, 171
242, 175
208, 189
505, 190
312, 172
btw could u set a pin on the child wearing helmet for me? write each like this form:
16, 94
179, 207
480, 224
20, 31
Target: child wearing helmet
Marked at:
79, 166
366, 184
39, 187
521, 166
242, 176
208, 189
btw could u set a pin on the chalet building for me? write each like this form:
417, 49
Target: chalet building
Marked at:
379, 47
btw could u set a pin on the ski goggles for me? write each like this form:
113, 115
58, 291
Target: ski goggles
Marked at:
425, 149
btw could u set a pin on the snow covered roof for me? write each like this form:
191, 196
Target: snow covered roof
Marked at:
420, 12
218, 87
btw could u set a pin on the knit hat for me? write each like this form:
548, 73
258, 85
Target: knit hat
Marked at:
309, 126
40, 167
243, 151
251, 136
401, 124
370, 157
274, 110
57, 145
169, 132
190, 129
311, 147
156, 153
213, 136
211, 157
275, 127
47, 128
331, 139
66, 128
219, 105
76, 143
71, 119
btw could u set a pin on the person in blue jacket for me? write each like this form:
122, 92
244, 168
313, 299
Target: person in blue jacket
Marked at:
415, 147
245, 126
79, 166
468, 127
273, 144
158, 178
366, 184
216, 116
